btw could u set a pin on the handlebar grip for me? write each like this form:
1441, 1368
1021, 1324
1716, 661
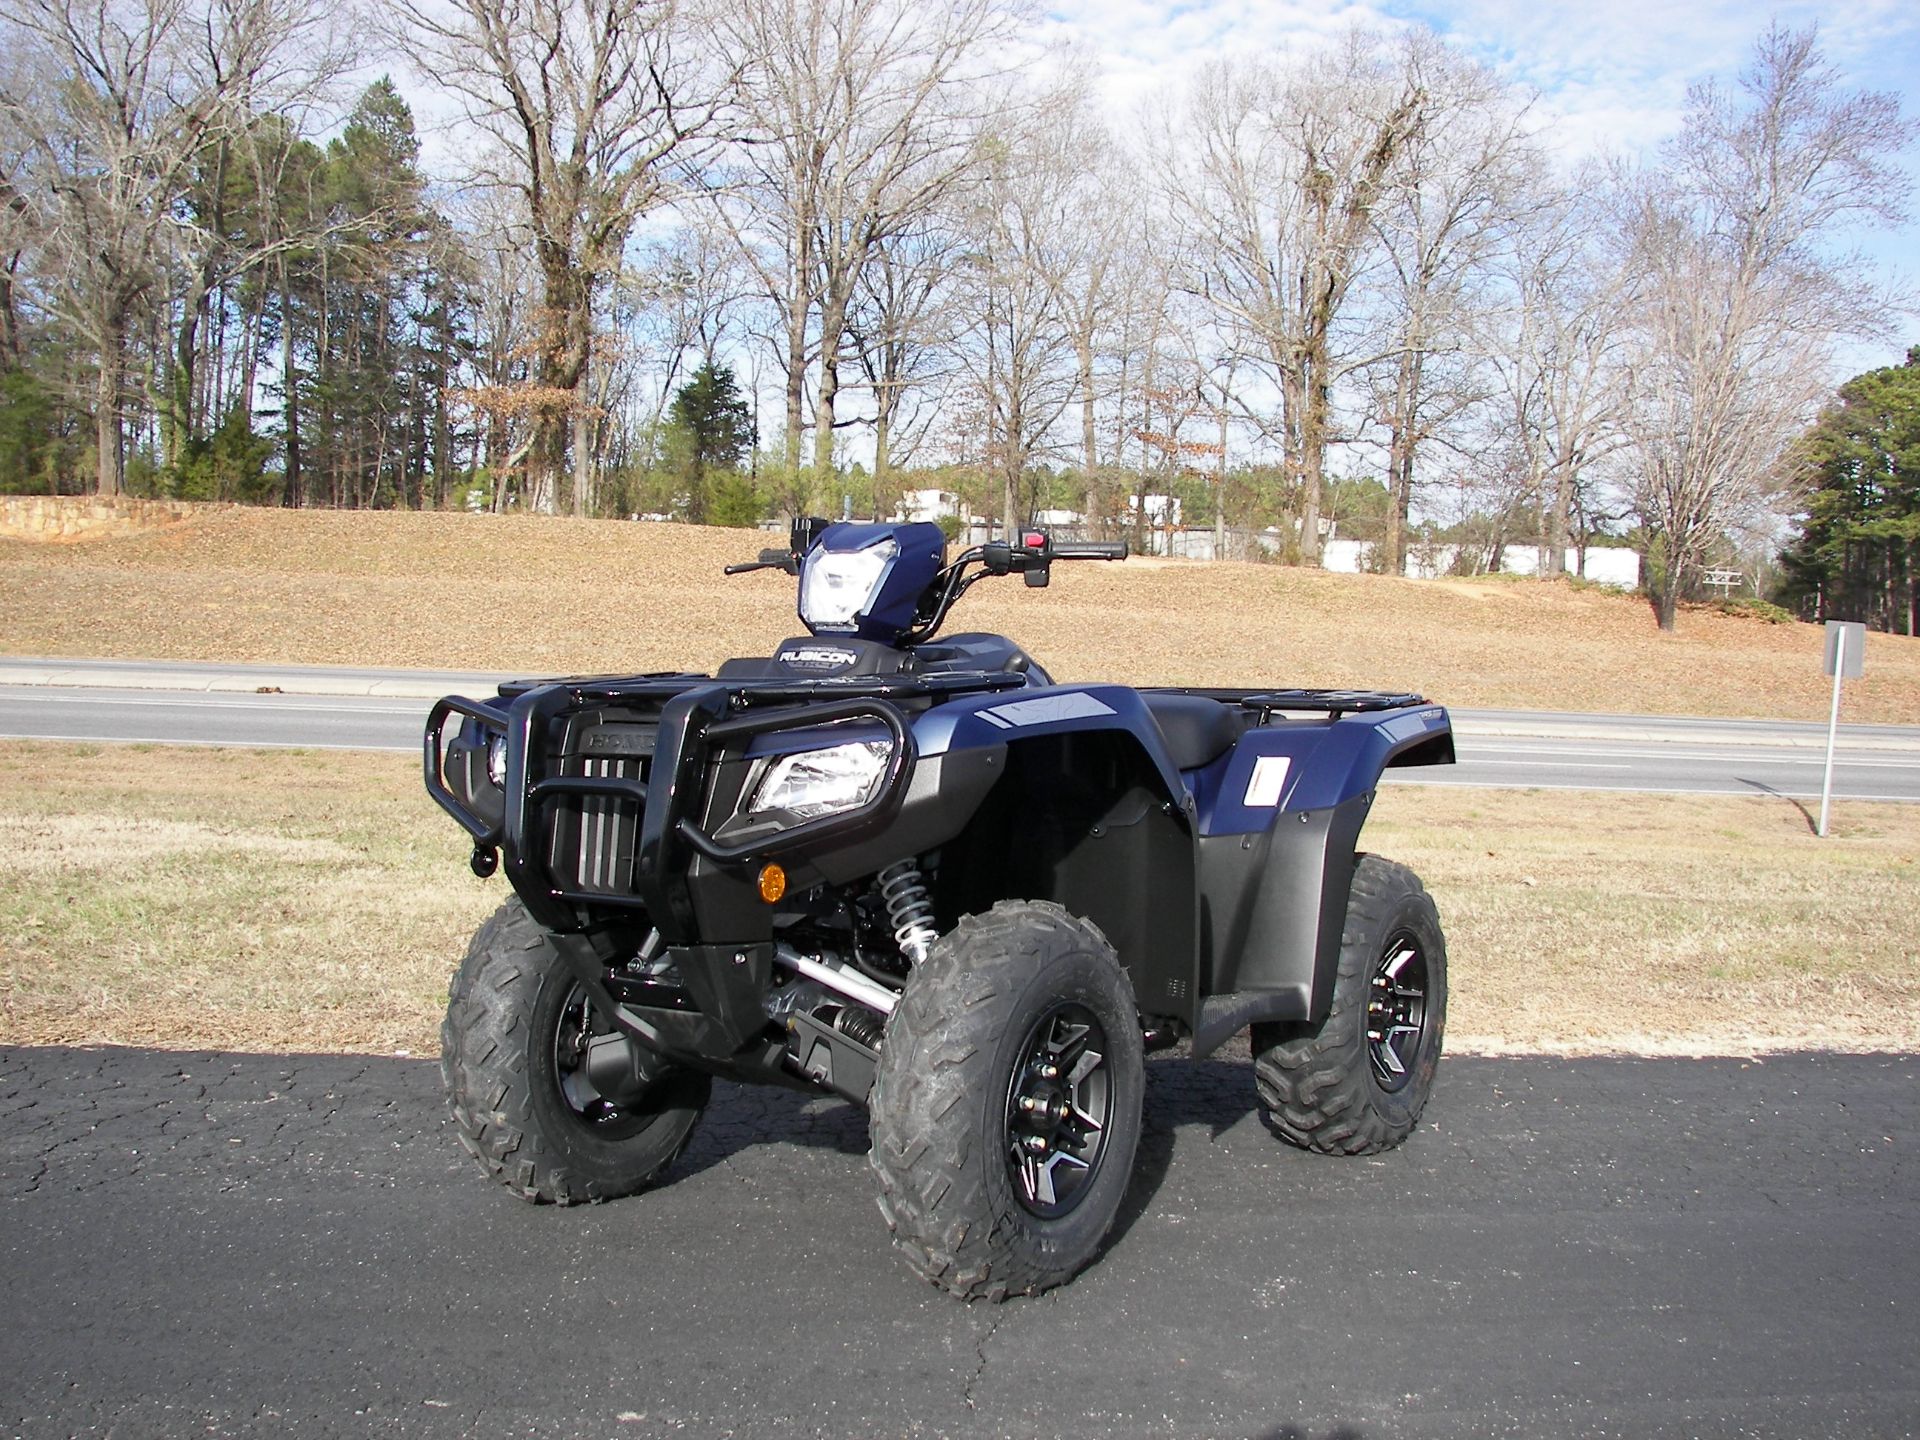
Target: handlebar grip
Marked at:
1089, 549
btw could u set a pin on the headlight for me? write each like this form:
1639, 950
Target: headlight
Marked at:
822, 782
836, 585
497, 759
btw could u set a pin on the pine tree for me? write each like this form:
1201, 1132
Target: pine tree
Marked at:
710, 432
1858, 554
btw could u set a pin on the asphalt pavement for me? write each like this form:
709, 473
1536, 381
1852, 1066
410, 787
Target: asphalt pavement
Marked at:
240, 1245
321, 707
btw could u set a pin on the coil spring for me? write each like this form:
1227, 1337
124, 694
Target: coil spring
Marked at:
910, 908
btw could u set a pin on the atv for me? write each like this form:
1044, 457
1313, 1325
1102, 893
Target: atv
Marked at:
912, 870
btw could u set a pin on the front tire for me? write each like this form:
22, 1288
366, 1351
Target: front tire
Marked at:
513, 1052
1356, 1084
1006, 1108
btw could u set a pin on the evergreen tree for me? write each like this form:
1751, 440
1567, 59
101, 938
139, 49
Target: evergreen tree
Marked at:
1858, 553
710, 432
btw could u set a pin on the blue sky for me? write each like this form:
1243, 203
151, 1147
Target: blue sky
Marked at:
1611, 74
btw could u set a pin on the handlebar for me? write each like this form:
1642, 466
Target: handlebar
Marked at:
1090, 550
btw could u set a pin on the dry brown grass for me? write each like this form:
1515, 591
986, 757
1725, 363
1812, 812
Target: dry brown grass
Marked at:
538, 595
1649, 924
300, 902
225, 898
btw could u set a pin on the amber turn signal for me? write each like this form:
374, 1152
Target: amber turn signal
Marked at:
773, 883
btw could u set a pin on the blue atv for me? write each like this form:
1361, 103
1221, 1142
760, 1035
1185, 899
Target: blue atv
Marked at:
913, 870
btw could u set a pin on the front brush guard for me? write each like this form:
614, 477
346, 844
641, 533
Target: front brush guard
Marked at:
694, 723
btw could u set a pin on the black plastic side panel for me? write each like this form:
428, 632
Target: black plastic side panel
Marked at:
944, 795
1082, 819
1272, 905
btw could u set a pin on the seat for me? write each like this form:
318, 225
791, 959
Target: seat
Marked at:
1197, 730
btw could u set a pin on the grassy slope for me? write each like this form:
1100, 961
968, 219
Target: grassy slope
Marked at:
549, 595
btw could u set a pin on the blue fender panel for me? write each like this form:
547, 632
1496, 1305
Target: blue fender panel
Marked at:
1327, 763
1280, 819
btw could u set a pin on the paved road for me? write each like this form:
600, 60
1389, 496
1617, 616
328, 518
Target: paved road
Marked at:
376, 709
257, 1245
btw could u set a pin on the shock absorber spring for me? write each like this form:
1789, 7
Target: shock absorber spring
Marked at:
909, 907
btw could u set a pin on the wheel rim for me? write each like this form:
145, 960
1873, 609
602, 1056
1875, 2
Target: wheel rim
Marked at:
579, 1025
1059, 1105
1397, 1011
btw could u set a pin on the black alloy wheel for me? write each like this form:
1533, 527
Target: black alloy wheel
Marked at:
1397, 1011
1059, 1103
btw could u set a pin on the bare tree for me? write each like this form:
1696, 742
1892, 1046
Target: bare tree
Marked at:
587, 100
150, 87
1558, 349
498, 259
1461, 184
17, 214
862, 118
903, 330
1019, 354
1740, 300
1105, 209
1288, 168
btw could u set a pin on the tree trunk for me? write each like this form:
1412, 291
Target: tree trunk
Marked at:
1313, 450
442, 430
833, 324
1557, 520
9, 318
1089, 453
582, 442
177, 430
290, 380
796, 378
882, 460
106, 414
1014, 463
1220, 490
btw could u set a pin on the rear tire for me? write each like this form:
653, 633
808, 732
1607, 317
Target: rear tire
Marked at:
1006, 1108
1356, 1084
512, 1060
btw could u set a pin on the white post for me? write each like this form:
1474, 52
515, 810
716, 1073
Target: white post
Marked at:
1833, 726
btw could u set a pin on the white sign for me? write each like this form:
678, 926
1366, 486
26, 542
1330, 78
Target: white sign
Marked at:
1846, 646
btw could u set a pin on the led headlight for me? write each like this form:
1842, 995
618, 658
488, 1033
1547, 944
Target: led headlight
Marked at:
822, 782
836, 585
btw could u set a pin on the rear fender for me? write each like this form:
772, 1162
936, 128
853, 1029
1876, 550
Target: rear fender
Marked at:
1280, 820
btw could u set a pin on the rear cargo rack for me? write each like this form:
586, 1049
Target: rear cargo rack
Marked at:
1331, 703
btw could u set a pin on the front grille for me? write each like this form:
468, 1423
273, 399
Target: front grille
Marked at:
593, 836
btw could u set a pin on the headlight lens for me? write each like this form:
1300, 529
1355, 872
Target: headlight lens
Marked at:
497, 760
836, 585
822, 782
